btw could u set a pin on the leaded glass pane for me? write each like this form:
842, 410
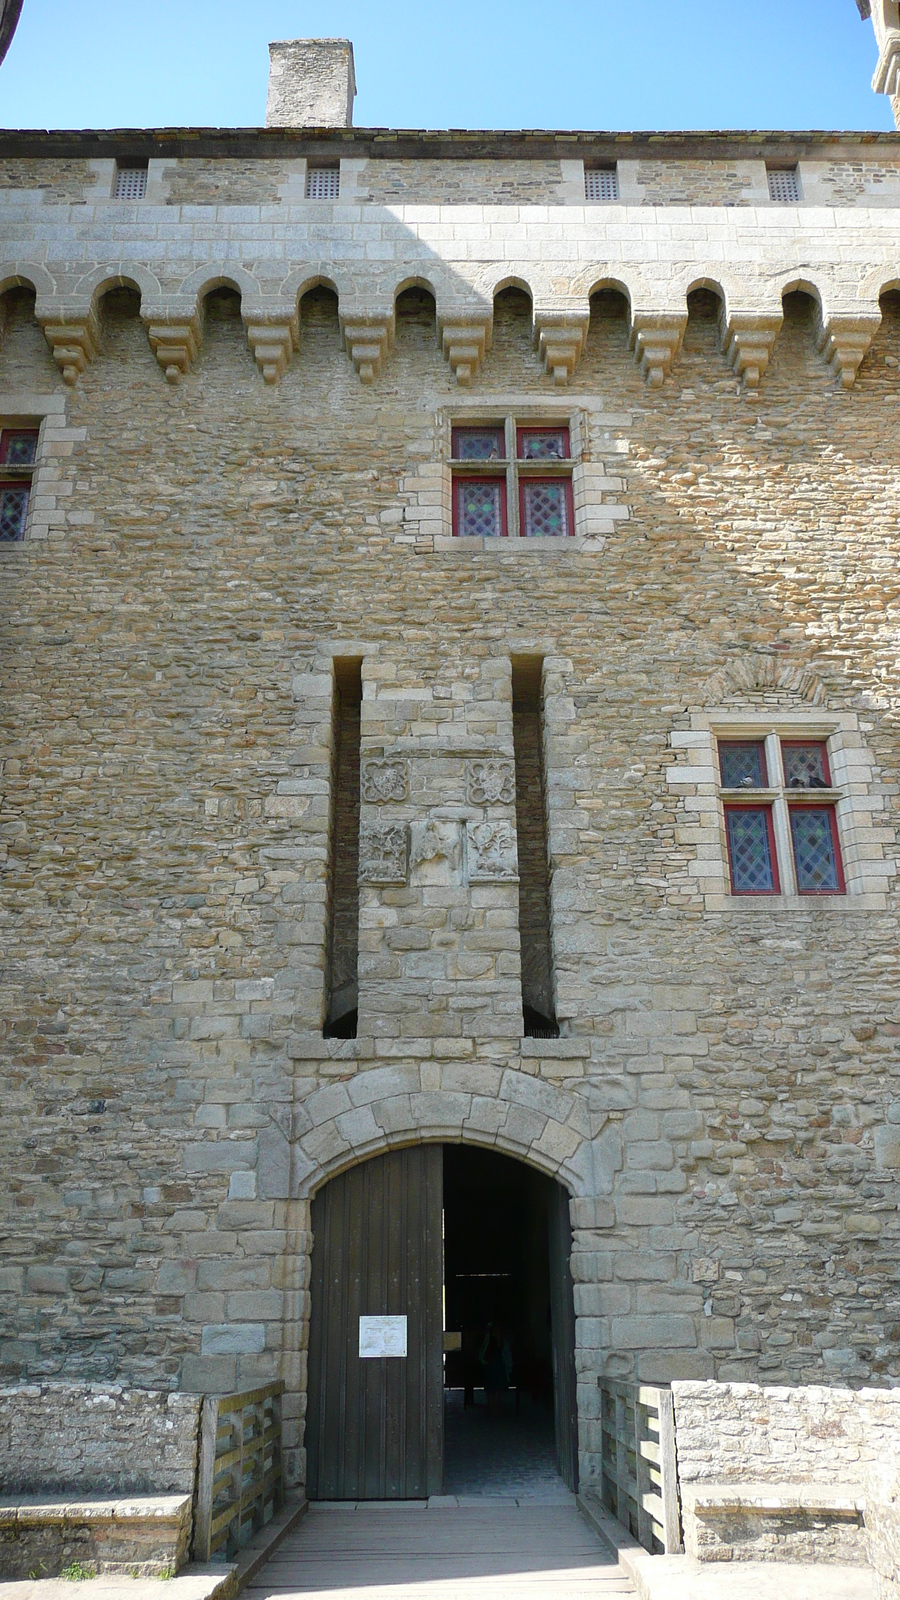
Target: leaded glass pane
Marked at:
546, 508
749, 852
814, 855
19, 447
479, 513
13, 510
478, 444
544, 444
743, 766
804, 766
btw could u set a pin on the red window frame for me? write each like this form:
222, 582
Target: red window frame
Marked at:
474, 427
25, 465
808, 744
830, 811
548, 427
460, 479
744, 744
540, 478
773, 853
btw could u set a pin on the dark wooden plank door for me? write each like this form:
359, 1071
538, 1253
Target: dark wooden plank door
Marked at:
562, 1321
374, 1427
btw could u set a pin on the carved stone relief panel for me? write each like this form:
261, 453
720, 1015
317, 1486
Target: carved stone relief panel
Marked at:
384, 781
491, 852
383, 852
436, 851
491, 783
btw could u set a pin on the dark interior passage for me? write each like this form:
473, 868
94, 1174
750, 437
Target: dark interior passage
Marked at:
500, 1428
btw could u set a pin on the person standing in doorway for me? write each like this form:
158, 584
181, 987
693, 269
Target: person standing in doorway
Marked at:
495, 1356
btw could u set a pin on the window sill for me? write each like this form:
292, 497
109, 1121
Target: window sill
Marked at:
781, 904
505, 545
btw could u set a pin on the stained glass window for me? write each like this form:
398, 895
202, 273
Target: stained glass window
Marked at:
751, 853
805, 765
13, 510
479, 507
742, 764
18, 447
816, 856
545, 508
543, 444
478, 444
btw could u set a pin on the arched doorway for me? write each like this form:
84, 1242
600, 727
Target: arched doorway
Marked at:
441, 1293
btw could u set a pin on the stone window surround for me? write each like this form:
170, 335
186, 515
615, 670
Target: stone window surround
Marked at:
428, 520
863, 832
46, 517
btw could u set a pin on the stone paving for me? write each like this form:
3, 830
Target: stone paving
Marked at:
509, 1455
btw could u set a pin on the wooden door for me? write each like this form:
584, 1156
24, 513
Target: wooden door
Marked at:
374, 1427
562, 1321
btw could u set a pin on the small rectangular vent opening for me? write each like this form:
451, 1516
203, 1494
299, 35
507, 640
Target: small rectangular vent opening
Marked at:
342, 947
784, 184
538, 1000
323, 183
601, 183
131, 183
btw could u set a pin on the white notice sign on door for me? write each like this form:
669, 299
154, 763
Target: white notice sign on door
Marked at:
381, 1336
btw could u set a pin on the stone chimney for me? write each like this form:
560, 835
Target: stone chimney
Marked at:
311, 84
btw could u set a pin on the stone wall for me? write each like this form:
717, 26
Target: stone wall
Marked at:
723, 1103
742, 1432
96, 1439
460, 182
235, 183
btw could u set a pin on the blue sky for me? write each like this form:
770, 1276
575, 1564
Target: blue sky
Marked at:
473, 64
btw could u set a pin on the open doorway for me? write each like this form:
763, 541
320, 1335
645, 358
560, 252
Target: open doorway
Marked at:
506, 1354
442, 1348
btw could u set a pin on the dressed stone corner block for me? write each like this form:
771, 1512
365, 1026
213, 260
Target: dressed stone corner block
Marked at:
491, 853
174, 338
273, 337
491, 783
464, 339
383, 781
367, 340
747, 338
559, 338
844, 339
656, 339
383, 853
74, 338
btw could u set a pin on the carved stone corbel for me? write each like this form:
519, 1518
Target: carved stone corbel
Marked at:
74, 338
273, 336
367, 340
464, 339
886, 78
559, 338
655, 337
175, 339
747, 338
844, 339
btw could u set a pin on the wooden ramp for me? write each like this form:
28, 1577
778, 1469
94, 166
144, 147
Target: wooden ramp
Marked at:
468, 1551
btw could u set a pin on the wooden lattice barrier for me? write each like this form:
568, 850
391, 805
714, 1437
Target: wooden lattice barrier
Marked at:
639, 1480
240, 1485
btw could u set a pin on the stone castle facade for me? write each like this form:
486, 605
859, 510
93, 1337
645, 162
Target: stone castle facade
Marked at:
450, 573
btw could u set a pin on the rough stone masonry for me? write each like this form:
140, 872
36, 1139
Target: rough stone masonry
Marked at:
246, 395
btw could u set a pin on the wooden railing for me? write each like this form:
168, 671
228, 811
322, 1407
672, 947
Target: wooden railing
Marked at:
239, 1480
639, 1481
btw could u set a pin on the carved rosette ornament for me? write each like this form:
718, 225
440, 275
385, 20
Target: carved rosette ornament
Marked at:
384, 781
383, 853
491, 783
491, 853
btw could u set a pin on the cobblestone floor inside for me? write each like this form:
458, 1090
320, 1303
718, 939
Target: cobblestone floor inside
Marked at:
508, 1455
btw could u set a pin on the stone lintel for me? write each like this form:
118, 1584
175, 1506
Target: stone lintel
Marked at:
559, 338
655, 337
747, 338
